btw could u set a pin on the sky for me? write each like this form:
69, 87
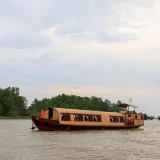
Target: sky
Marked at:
103, 48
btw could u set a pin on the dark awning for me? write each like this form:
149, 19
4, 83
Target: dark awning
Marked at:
123, 105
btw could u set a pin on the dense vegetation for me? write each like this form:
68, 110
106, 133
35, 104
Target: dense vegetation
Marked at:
76, 102
12, 104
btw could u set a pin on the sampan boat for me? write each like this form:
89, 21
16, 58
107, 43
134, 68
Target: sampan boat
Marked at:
53, 119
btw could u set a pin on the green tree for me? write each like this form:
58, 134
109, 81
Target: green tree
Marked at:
12, 103
145, 116
75, 102
151, 117
1, 109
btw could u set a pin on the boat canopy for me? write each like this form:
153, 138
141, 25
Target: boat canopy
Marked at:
125, 105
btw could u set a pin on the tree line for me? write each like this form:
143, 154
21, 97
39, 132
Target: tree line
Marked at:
12, 104
146, 117
75, 102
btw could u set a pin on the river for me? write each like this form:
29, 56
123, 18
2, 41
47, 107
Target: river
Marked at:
19, 142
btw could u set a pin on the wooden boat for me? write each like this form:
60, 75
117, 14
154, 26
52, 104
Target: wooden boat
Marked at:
53, 119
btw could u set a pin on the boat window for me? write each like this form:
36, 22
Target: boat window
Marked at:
121, 119
129, 115
65, 117
118, 119
85, 117
62, 117
111, 119
135, 116
94, 118
99, 118
90, 118
80, 117
76, 117
141, 116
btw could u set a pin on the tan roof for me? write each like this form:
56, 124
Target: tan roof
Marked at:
78, 111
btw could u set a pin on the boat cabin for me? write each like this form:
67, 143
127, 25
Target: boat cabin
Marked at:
130, 116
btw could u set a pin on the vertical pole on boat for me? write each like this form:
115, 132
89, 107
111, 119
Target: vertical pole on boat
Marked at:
130, 100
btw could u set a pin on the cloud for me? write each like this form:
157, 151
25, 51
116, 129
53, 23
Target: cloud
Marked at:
84, 21
82, 47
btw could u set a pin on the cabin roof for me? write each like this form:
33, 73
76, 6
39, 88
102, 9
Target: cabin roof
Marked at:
78, 111
125, 105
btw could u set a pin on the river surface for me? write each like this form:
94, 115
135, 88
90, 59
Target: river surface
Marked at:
18, 141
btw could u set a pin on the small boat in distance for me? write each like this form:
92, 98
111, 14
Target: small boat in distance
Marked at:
53, 119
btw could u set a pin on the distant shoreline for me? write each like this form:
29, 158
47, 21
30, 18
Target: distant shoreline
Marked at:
9, 117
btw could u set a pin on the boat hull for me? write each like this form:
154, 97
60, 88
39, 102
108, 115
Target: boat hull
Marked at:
52, 125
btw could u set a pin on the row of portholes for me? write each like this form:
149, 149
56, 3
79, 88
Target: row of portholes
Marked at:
85, 117
112, 120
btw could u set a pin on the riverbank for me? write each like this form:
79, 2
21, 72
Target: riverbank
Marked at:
19, 117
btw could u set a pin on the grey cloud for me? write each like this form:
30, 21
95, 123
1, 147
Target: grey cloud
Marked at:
26, 41
79, 34
155, 82
70, 17
58, 69
76, 19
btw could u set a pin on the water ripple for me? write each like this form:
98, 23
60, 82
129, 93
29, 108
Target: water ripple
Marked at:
19, 142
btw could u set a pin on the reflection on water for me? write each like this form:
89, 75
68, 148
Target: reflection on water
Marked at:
17, 141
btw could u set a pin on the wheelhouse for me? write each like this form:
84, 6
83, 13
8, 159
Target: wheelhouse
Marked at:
130, 116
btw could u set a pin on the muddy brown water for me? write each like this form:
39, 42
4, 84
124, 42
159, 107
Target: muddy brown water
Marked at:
18, 142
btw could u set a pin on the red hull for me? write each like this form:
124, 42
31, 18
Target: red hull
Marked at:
52, 125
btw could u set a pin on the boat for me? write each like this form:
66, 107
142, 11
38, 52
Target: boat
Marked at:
54, 119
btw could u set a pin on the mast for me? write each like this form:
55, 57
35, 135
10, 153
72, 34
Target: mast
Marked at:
130, 100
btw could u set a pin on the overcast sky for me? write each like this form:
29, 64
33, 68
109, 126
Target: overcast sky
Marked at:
103, 48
